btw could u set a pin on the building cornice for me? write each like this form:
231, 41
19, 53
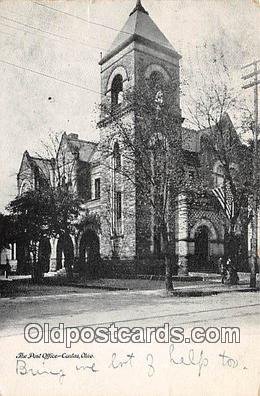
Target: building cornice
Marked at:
149, 43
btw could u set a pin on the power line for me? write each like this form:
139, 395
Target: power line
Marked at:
51, 77
8, 34
32, 33
80, 18
50, 33
27, 31
24, 16
85, 20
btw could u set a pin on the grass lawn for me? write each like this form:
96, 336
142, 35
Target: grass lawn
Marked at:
25, 288
60, 285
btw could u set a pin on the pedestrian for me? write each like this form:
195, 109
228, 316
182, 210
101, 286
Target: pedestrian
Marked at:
233, 277
224, 270
7, 268
220, 265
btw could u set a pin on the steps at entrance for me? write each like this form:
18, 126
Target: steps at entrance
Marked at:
60, 272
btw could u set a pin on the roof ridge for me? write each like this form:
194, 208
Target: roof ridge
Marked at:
140, 27
39, 158
82, 140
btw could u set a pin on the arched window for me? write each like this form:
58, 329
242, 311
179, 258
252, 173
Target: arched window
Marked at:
117, 156
25, 186
156, 82
156, 79
156, 69
117, 91
159, 99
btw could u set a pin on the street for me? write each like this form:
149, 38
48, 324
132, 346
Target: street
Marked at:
141, 308
130, 369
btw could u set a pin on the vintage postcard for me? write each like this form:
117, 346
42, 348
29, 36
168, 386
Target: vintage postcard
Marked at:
130, 197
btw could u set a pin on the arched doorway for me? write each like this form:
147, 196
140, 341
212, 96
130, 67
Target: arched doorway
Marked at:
89, 253
44, 254
202, 248
64, 252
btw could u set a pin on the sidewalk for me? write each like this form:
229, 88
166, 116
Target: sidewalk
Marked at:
210, 285
195, 285
211, 289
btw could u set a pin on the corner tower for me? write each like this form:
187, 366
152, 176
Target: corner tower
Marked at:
139, 49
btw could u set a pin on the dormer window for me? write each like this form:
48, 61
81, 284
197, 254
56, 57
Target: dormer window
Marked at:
117, 91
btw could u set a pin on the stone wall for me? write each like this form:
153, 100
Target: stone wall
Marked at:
120, 242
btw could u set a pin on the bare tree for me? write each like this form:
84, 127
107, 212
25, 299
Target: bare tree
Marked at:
59, 162
147, 124
209, 102
57, 175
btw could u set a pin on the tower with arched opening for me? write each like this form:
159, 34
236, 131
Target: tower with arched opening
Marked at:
139, 52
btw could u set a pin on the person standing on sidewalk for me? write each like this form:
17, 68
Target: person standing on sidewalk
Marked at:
7, 268
224, 270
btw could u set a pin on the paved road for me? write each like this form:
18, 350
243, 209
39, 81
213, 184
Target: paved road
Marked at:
147, 308
130, 308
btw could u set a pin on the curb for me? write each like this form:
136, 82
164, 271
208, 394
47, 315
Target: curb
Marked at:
99, 287
175, 278
201, 293
105, 288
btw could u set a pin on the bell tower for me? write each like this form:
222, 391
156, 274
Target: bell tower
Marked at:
139, 49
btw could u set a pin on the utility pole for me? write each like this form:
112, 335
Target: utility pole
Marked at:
254, 247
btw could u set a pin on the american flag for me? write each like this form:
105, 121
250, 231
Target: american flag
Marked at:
225, 198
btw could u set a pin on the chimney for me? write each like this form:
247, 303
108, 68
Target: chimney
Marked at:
74, 136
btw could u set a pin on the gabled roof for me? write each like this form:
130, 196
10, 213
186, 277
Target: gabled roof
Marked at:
139, 26
25, 158
43, 164
83, 147
227, 126
40, 162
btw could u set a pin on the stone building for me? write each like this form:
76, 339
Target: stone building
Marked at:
139, 50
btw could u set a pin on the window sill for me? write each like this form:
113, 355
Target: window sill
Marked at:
112, 237
92, 200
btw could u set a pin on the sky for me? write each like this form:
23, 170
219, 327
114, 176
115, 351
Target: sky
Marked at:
68, 48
